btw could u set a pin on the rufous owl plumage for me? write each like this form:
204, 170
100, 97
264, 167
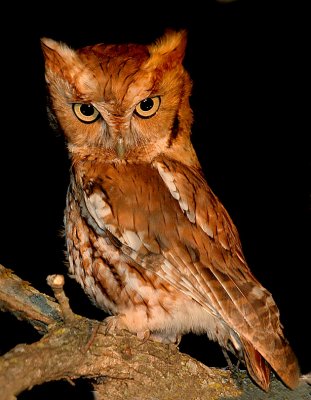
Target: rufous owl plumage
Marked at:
147, 239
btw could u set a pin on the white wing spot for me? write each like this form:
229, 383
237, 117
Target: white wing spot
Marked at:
169, 179
257, 292
207, 229
132, 240
98, 208
102, 209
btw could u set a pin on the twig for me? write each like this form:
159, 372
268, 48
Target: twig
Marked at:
56, 282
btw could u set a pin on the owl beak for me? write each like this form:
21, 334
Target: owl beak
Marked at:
120, 147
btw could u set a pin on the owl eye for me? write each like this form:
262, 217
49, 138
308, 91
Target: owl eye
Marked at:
148, 107
85, 112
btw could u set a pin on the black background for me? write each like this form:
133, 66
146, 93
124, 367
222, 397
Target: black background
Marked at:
251, 128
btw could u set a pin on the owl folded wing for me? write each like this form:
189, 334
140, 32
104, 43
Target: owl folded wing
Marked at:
175, 226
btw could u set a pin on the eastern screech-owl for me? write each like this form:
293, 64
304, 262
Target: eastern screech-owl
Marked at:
147, 238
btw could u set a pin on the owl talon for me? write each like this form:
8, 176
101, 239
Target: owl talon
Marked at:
178, 340
113, 324
144, 336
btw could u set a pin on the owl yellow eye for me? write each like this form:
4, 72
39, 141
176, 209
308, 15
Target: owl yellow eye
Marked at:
148, 107
85, 112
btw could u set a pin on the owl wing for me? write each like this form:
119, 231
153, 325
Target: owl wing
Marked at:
166, 218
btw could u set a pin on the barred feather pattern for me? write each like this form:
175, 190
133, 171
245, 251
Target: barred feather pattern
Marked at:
147, 239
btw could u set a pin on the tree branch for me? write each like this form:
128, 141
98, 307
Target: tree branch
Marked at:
79, 347
26, 303
119, 365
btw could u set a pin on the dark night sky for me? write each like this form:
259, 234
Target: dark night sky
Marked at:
248, 66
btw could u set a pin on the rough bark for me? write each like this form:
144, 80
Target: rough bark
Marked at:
118, 365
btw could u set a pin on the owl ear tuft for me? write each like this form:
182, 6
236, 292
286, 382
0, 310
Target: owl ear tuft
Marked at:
168, 49
53, 50
58, 56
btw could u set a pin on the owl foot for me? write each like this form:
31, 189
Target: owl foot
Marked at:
164, 338
116, 323
159, 337
143, 336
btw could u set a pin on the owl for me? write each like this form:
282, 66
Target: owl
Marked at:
146, 237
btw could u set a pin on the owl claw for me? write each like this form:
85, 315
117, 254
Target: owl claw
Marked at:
144, 336
113, 324
178, 340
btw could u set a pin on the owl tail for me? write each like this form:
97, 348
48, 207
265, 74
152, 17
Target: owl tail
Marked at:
259, 368
256, 365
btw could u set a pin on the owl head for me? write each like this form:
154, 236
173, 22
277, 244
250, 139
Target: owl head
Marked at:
122, 101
